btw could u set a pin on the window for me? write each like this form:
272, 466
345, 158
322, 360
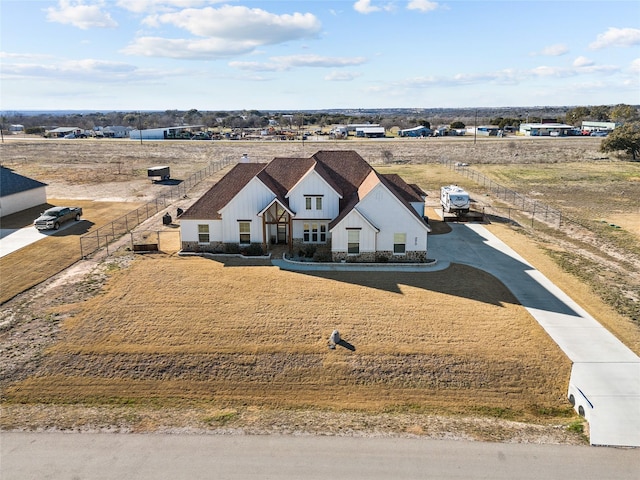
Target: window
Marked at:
308, 202
315, 233
203, 233
399, 243
353, 241
245, 232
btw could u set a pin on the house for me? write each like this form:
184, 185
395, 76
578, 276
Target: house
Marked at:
332, 202
370, 132
18, 192
184, 132
546, 129
419, 131
589, 126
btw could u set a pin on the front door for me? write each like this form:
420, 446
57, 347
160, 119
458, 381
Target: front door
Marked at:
282, 233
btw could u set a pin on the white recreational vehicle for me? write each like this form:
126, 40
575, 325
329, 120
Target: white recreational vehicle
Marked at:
454, 200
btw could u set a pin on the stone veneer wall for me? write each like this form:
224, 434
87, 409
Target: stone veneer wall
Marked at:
213, 247
380, 257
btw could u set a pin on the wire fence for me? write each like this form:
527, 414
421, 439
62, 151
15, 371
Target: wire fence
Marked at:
102, 237
520, 205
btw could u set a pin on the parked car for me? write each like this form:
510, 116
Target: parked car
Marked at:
600, 133
56, 216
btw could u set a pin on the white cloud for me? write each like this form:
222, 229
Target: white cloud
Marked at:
279, 64
582, 62
80, 70
242, 23
225, 31
552, 50
617, 37
338, 76
153, 6
364, 6
422, 5
635, 65
76, 13
188, 49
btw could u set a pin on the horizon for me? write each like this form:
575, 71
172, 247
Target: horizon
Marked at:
285, 55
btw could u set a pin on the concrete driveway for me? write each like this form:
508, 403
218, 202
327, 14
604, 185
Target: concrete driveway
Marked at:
605, 376
15, 239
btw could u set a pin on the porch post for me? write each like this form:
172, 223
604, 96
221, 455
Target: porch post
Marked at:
290, 235
264, 234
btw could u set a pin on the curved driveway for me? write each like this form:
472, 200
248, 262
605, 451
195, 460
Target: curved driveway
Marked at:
605, 376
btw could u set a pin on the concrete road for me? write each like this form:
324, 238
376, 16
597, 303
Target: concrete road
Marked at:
60, 456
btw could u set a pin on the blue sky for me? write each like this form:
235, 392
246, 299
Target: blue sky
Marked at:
316, 54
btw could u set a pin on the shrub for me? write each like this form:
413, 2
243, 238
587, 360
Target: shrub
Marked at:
231, 248
253, 250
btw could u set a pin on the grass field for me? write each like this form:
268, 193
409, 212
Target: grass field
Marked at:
195, 342
257, 335
37, 262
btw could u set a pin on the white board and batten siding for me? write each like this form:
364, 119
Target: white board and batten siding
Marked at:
254, 197
354, 220
381, 206
313, 185
189, 229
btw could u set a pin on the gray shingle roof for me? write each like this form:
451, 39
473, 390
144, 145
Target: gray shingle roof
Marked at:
12, 182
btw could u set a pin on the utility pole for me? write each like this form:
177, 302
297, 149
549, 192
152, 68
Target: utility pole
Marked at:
475, 128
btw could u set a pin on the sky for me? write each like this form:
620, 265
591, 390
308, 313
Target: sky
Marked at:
216, 55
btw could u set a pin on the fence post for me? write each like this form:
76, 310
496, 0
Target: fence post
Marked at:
533, 213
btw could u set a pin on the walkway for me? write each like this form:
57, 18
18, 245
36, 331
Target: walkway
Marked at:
605, 377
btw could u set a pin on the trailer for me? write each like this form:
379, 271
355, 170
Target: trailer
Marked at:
454, 200
159, 173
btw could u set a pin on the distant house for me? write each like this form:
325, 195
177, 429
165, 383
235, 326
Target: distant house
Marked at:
589, 126
115, 131
18, 192
419, 131
546, 129
333, 201
184, 132
17, 128
64, 132
370, 132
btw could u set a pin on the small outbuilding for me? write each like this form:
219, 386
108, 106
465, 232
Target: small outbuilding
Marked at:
419, 131
18, 192
546, 129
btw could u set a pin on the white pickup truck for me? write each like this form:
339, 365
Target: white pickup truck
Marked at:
56, 216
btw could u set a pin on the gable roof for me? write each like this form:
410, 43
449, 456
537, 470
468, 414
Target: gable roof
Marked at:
410, 193
208, 206
345, 171
12, 182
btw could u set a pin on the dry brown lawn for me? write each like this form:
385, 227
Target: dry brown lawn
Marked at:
241, 335
197, 342
39, 261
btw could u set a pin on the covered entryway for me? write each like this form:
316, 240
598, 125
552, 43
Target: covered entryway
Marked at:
276, 225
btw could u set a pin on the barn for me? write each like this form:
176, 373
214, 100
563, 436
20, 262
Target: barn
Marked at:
18, 192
